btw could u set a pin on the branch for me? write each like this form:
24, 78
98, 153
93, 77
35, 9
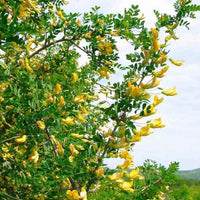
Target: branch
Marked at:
52, 143
154, 183
47, 45
11, 197
15, 137
74, 185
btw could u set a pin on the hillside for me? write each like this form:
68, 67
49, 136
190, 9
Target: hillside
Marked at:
188, 174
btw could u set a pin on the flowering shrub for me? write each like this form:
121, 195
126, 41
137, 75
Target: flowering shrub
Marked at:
60, 118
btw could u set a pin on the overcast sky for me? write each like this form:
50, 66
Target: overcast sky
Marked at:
180, 139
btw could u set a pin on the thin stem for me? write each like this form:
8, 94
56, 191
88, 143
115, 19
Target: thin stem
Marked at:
52, 142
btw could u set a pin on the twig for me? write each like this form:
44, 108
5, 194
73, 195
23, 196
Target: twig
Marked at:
11, 197
52, 143
154, 183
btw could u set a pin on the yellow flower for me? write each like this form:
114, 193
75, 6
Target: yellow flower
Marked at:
126, 165
144, 131
84, 110
41, 125
156, 45
73, 195
133, 174
71, 159
83, 194
157, 123
60, 148
29, 69
34, 156
135, 117
153, 84
126, 186
79, 24
170, 92
60, 14
160, 73
162, 59
88, 35
75, 78
69, 121
100, 172
80, 117
73, 151
58, 89
79, 99
176, 62
66, 183
105, 72
117, 177
75, 135
3, 86
105, 47
154, 33
61, 102
157, 101
135, 138
21, 140
149, 110
133, 91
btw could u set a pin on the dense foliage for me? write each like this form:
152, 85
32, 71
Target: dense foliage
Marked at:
60, 118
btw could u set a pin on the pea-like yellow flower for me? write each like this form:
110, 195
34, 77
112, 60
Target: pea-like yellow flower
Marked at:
133, 91
29, 69
74, 78
162, 59
154, 83
73, 151
75, 135
78, 23
126, 186
73, 195
126, 165
58, 89
88, 35
149, 110
61, 102
157, 123
34, 156
176, 62
135, 138
105, 47
144, 131
100, 172
170, 92
156, 45
160, 73
21, 139
69, 121
3, 87
60, 148
157, 101
133, 174
79, 99
154, 33
80, 117
117, 177
41, 125
105, 72
60, 14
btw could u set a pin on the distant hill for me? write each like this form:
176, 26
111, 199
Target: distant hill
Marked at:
188, 174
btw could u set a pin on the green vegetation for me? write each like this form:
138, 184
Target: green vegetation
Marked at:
177, 188
190, 174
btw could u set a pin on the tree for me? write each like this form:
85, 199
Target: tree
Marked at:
59, 118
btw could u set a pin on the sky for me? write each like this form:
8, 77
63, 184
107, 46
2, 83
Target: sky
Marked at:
180, 140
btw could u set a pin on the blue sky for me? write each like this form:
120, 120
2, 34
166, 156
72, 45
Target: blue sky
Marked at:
180, 139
